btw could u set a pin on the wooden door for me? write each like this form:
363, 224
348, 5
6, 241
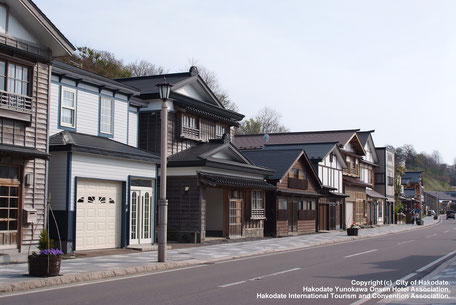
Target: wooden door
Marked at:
323, 217
235, 217
332, 217
292, 216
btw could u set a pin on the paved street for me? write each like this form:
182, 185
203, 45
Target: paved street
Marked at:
244, 281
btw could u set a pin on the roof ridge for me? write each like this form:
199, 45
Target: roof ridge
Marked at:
300, 132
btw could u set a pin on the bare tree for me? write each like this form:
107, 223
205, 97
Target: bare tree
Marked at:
211, 80
266, 121
144, 68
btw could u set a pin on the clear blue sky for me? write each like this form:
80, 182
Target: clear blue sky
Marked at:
383, 65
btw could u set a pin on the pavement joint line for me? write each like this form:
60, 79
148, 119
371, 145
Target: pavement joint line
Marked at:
361, 253
123, 272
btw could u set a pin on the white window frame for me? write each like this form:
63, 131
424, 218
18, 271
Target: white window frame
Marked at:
219, 130
257, 204
62, 106
111, 131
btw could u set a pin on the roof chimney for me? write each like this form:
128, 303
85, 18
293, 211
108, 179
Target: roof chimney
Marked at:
193, 70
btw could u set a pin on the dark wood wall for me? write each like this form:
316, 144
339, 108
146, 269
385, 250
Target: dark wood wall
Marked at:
311, 184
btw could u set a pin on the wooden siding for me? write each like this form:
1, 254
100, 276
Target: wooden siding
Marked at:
185, 212
306, 226
299, 164
133, 129
120, 121
358, 197
58, 180
87, 112
149, 132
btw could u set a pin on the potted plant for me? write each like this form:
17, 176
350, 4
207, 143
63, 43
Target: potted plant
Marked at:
48, 261
353, 230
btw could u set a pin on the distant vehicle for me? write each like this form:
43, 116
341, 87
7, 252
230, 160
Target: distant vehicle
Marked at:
450, 214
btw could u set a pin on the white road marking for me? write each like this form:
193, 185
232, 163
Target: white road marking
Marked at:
435, 262
96, 282
405, 242
432, 235
232, 284
446, 231
356, 254
408, 276
272, 274
259, 277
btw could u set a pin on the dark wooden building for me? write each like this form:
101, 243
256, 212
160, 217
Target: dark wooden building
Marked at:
292, 208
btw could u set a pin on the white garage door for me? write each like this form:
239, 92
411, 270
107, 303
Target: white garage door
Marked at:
98, 214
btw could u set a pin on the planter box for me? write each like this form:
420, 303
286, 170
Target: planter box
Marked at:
44, 265
352, 232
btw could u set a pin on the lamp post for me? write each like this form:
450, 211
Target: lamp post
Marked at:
164, 89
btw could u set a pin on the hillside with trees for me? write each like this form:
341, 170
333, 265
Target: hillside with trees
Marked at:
438, 176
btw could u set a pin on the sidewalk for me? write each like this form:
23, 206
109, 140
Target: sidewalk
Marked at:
15, 277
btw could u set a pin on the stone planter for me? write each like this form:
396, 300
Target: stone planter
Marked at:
352, 232
44, 265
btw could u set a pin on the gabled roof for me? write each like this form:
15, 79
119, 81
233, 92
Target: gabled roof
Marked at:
257, 141
366, 139
210, 103
440, 195
62, 69
410, 193
78, 142
281, 161
314, 151
36, 22
219, 154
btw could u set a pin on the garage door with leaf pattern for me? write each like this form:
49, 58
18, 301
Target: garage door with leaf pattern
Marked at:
98, 214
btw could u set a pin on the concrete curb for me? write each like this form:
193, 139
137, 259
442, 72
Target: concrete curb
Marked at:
99, 275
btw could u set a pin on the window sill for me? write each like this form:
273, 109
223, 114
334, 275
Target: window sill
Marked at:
258, 218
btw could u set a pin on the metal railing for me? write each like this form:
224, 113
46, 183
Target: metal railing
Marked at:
16, 102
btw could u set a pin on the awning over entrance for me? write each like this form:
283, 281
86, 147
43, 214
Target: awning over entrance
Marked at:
223, 180
374, 194
24, 152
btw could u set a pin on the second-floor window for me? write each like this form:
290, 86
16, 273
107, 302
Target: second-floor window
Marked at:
68, 107
106, 116
219, 131
14, 78
190, 127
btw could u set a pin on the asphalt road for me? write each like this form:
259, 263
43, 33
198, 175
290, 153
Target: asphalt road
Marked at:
388, 258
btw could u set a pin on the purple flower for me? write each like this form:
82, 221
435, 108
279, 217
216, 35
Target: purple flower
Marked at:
55, 252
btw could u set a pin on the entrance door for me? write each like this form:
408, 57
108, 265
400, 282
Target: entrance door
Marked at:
348, 214
292, 216
141, 215
332, 217
323, 218
235, 222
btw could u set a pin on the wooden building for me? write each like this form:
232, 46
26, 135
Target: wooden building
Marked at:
212, 189
292, 208
28, 42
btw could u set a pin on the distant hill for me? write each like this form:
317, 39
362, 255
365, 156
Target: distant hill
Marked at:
438, 176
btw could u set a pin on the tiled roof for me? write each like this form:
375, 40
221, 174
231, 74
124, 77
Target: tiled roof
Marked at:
257, 141
278, 160
215, 180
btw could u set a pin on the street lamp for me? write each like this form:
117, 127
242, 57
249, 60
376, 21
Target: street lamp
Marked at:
164, 89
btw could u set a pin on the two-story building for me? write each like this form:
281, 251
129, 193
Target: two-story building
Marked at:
212, 188
291, 209
101, 186
355, 206
384, 180
375, 200
28, 42
413, 190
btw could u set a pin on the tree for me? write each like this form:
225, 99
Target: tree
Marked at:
266, 121
144, 68
211, 80
103, 63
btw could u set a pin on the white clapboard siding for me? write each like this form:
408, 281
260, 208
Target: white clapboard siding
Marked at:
120, 121
87, 113
133, 129
58, 180
54, 111
102, 167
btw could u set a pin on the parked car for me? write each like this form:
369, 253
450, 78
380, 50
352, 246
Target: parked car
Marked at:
450, 214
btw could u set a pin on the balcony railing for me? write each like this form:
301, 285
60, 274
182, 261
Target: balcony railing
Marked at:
190, 133
350, 170
257, 214
16, 102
